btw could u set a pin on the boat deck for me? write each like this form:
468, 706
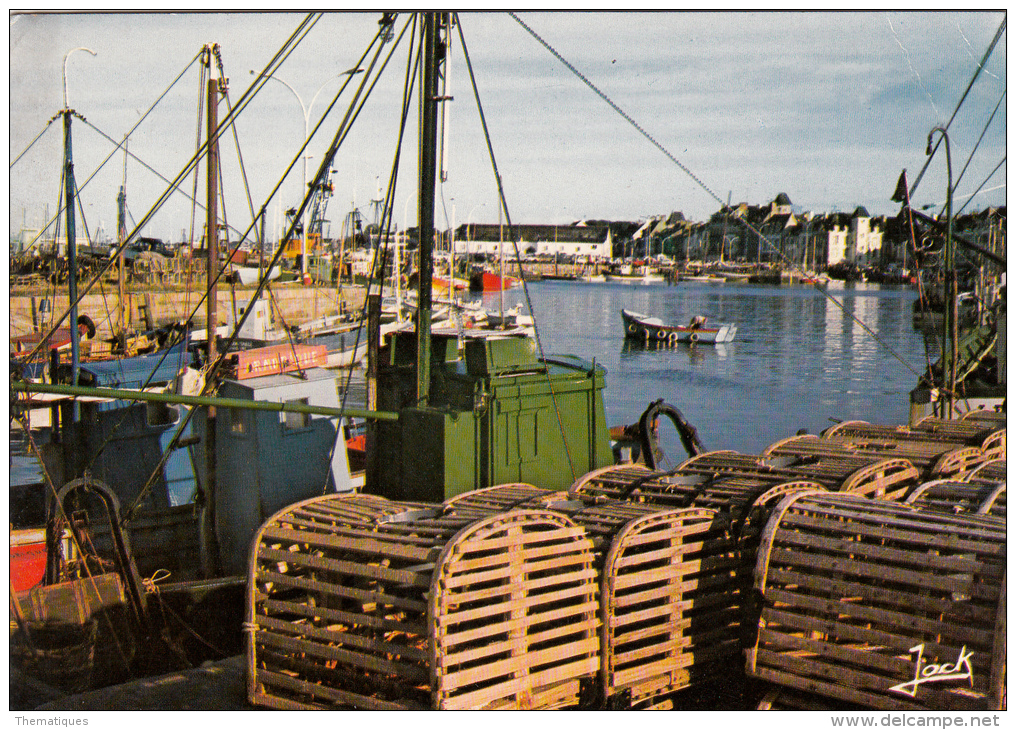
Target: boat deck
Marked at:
215, 686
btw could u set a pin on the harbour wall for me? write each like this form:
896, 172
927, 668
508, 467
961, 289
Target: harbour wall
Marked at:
296, 304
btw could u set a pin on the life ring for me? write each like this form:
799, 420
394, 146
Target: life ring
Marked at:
673, 337
85, 321
661, 335
632, 328
693, 337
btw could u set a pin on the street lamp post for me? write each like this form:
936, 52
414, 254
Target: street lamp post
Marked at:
306, 109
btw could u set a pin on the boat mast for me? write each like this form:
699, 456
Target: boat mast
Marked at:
209, 542
71, 199
211, 207
121, 278
500, 253
429, 69
72, 248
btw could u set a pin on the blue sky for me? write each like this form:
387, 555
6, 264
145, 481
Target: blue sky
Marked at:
827, 107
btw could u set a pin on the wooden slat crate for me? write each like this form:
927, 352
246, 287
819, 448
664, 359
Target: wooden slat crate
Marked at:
836, 470
625, 482
956, 497
784, 698
670, 599
740, 497
503, 497
985, 416
991, 470
357, 602
988, 437
933, 459
670, 587
882, 604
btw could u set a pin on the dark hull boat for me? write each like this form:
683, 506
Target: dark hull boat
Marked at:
642, 328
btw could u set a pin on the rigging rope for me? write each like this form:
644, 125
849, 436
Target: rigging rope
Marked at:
283, 53
978, 144
30, 144
977, 72
762, 237
990, 175
514, 237
113, 152
214, 367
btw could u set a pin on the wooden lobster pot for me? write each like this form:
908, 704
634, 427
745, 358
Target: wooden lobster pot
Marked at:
741, 497
970, 497
987, 437
632, 482
838, 471
784, 698
357, 602
861, 597
933, 459
670, 598
992, 470
501, 498
670, 587
984, 415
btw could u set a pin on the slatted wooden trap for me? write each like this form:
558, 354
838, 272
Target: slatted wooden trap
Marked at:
984, 415
784, 698
670, 588
933, 459
986, 436
501, 498
835, 470
991, 470
357, 602
955, 497
742, 497
882, 604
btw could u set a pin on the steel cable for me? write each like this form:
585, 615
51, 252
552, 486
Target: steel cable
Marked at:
762, 237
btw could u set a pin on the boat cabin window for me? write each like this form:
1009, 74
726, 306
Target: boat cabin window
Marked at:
296, 421
161, 414
237, 422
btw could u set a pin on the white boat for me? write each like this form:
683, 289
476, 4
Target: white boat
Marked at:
252, 275
643, 328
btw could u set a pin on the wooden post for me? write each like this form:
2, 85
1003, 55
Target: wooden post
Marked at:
373, 352
209, 543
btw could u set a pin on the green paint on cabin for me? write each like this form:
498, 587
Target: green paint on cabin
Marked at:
495, 415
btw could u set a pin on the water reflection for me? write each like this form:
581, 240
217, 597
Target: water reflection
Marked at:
798, 361
696, 353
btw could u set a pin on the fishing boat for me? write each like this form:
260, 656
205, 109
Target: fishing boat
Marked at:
487, 281
643, 328
629, 274
248, 275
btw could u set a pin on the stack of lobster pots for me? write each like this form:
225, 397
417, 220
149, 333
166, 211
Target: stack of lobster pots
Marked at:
863, 568
875, 604
358, 602
880, 605
977, 493
938, 448
669, 581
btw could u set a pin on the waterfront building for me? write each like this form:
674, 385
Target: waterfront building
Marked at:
581, 240
864, 238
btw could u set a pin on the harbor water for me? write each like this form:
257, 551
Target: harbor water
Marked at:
799, 360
